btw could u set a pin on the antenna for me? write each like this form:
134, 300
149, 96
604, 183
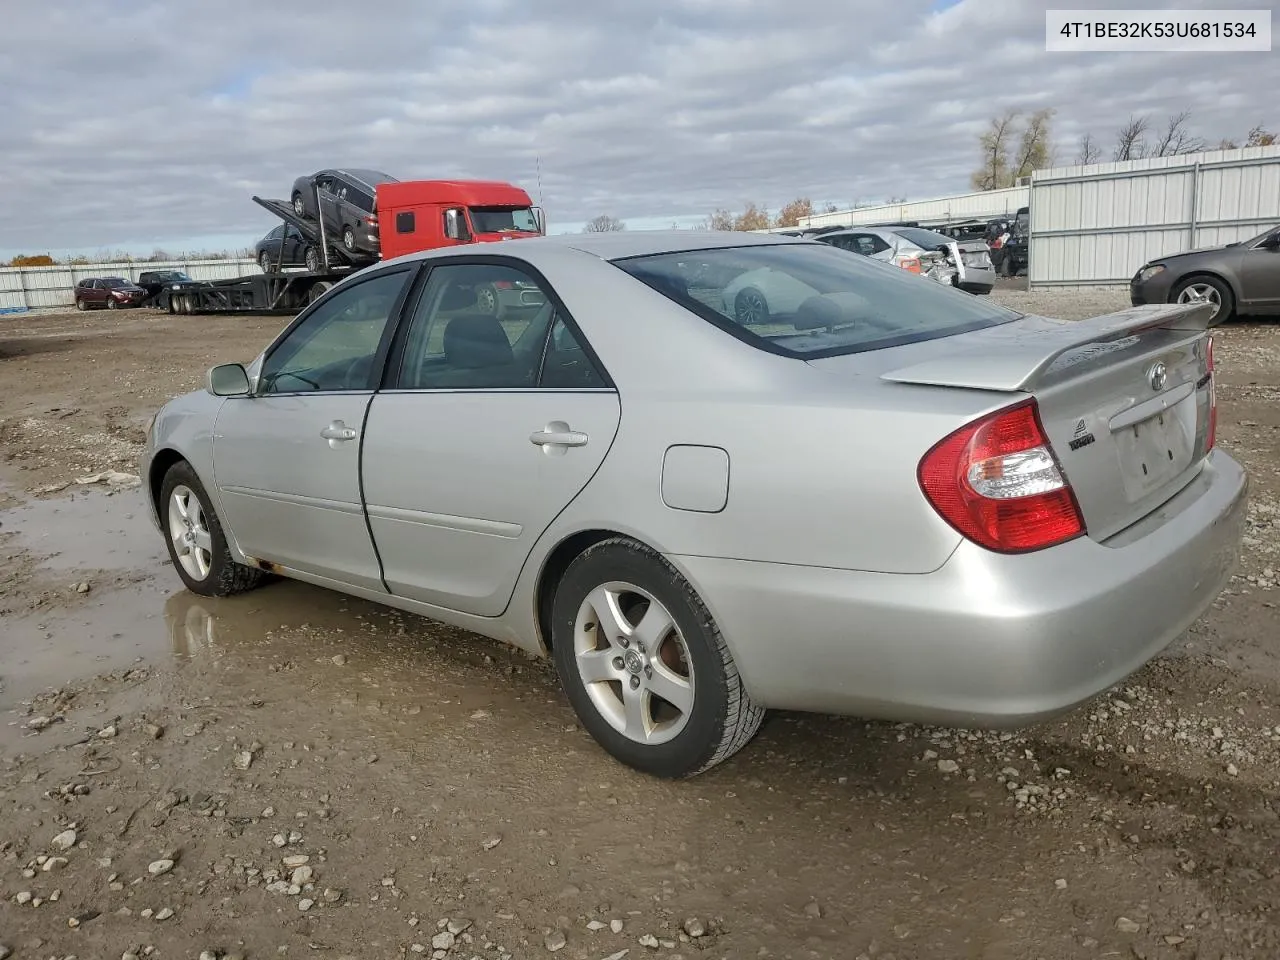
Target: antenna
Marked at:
538, 160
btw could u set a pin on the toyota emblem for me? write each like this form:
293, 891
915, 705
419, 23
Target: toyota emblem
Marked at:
1157, 376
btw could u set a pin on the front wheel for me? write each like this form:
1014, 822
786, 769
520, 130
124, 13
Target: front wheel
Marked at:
312, 260
299, 205
113, 305
264, 261
1211, 289
644, 665
81, 305
197, 545
349, 239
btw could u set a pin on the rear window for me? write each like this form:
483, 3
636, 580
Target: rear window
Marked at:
810, 300
924, 239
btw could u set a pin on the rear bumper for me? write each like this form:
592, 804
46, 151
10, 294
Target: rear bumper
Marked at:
986, 640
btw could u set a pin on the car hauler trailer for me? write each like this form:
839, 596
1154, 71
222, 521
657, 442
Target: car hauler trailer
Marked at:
418, 214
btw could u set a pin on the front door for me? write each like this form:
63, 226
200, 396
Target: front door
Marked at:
488, 428
287, 458
1260, 277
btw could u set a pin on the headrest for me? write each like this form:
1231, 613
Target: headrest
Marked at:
475, 340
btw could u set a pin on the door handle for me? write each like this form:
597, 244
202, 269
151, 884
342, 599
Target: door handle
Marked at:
337, 432
557, 434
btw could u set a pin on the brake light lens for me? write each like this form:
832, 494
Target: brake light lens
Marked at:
1213, 400
997, 481
910, 264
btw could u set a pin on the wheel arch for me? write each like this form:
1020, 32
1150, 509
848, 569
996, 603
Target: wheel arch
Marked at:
161, 462
553, 569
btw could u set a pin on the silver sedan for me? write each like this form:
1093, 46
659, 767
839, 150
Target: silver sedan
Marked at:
891, 499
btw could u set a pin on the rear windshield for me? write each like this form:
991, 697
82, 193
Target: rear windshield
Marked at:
811, 300
924, 239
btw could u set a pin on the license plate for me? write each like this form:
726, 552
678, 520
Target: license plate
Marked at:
1157, 449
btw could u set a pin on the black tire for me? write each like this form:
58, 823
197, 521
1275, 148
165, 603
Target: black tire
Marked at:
722, 719
299, 205
225, 576
318, 290
349, 239
112, 304
312, 259
750, 306
1226, 299
81, 305
264, 261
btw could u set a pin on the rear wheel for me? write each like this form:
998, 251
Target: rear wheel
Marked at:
1217, 293
299, 205
487, 301
264, 261
312, 259
644, 665
349, 239
750, 306
197, 544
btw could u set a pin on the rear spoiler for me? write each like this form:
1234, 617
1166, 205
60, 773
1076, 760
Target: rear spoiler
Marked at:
1015, 357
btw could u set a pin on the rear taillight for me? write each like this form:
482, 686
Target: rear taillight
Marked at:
910, 264
997, 481
1213, 400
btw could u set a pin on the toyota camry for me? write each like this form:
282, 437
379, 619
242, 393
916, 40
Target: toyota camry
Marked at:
889, 499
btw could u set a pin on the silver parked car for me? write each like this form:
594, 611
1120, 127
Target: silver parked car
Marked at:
962, 263
901, 502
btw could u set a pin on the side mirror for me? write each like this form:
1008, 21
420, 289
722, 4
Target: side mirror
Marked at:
541, 219
228, 380
455, 225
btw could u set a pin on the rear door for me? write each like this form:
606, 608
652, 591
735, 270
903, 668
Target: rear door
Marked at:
287, 458
487, 429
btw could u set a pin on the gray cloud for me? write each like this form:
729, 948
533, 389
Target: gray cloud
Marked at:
156, 125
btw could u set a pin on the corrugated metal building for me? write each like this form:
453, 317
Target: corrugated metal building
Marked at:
32, 287
1095, 226
939, 212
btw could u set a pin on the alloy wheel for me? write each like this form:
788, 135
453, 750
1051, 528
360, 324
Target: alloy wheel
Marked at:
189, 531
634, 663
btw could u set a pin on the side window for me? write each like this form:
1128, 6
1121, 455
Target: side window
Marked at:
405, 221
334, 347
362, 200
275, 233
486, 327
567, 365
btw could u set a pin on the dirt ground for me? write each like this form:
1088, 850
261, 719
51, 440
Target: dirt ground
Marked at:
292, 773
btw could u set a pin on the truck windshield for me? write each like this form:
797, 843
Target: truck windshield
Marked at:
498, 219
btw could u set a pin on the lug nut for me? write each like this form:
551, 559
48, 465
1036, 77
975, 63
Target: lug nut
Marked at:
648, 670
625, 642
635, 682
617, 663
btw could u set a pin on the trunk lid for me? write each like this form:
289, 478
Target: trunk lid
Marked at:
1124, 398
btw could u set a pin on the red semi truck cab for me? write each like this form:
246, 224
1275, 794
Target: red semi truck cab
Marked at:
418, 215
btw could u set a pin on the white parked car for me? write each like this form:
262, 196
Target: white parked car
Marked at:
962, 263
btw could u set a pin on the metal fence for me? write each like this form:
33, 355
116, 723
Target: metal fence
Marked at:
1095, 226
32, 287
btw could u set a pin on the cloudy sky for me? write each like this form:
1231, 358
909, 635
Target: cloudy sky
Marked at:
135, 125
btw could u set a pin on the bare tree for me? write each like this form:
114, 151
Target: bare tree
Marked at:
720, 220
1260, 136
1131, 140
1176, 139
1034, 146
603, 224
1088, 151
993, 173
829, 207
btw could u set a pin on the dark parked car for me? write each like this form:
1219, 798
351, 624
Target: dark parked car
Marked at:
153, 281
1013, 256
348, 203
110, 292
1242, 276
298, 250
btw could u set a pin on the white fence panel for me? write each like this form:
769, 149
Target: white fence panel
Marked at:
1096, 225
35, 287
